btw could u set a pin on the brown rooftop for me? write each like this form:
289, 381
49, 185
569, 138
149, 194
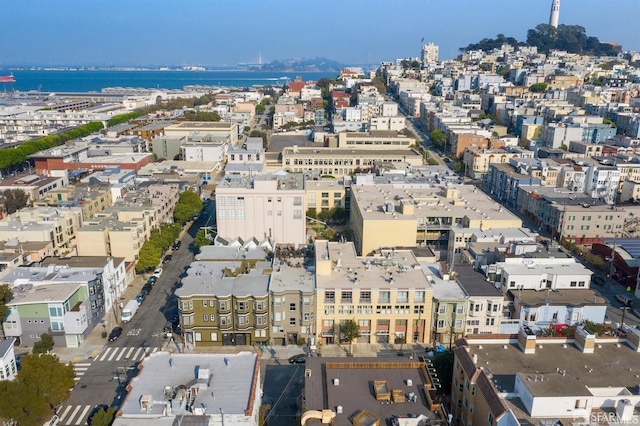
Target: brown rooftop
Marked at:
349, 383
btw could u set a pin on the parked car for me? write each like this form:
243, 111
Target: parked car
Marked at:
167, 259
96, 410
624, 299
176, 245
152, 280
146, 288
175, 320
157, 272
141, 297
115, 333
298, 359
167, 330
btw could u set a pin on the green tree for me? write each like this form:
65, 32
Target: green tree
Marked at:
21, 405
42, 384
438, 138
122, 118
538, 87
201, 116
14, 199
201, 239
260, 109
44, 345
188, 205
349, 331
149, 257
104, 417
6, 293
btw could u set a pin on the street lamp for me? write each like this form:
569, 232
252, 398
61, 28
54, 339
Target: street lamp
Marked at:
624, 311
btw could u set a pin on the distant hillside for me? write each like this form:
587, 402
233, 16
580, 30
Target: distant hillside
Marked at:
570, 38
303, 65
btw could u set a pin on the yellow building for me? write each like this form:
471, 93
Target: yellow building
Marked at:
476, 161
419, 211
119, 232
376, 139
324, 194
91, 199
388, 295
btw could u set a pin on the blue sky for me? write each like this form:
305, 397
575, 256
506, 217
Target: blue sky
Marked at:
216, 32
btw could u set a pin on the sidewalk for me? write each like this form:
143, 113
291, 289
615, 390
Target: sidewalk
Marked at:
94, 342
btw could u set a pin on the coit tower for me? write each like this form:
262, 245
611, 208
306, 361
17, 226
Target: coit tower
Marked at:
555, 14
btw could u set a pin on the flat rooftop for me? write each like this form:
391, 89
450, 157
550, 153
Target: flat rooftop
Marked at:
226, 278
25, 294
474, 283
118, 158
81, 261
227, 382
354, 388
391, 269
573, 297
429, 201
611, 365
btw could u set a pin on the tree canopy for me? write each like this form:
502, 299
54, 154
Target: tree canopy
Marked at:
190, 115
438, 138
202, 239
538, 87
152, 249
188, 205
6, 293
44, 345
42, 384
349, 331
14, 199
570, 38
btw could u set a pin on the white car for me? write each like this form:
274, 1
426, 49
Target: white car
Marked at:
157, 272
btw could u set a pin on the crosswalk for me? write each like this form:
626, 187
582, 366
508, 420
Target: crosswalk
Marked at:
73, 414
125, 353
80, 368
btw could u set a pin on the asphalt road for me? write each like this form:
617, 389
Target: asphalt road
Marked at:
104, 375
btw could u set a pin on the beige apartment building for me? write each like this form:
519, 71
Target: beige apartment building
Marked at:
91, 199
340, 162
405, 215
376, 139
58, 225
476, 161
187, 129
387, 294
118, 232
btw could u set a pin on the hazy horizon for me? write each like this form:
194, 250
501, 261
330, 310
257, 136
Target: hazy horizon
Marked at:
154, 33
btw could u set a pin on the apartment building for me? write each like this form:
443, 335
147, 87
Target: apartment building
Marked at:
339, 162
246, 161
486, 303
190, 129
476, 161
450, 306
292, 296
323, 194
387, 294
90, 198
64, 299
119, 232
265, 206
503, 180
573, 216
540, 380
374, 140
415, 211
35, 186
44, 224
224, 299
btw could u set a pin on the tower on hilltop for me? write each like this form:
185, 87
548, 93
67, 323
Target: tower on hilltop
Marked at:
555, 14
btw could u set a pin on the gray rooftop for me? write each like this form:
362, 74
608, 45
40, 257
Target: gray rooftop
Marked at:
474, 283
6, 345
610, 365
26, 294
225, 382
216, 278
